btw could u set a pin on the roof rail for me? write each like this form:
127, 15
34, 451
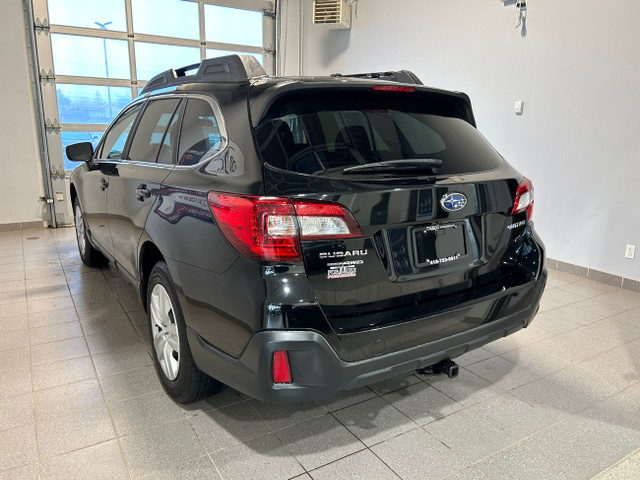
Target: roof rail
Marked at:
400, 76
227, 69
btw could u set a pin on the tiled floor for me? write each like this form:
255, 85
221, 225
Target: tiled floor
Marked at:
79, 397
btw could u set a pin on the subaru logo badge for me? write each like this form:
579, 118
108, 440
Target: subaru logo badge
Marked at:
453, 202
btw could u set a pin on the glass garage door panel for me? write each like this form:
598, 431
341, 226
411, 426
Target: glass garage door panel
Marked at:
168, 18
153, 58
90, 103
69, 138
232, 25
74, 13
221, 53
90, 57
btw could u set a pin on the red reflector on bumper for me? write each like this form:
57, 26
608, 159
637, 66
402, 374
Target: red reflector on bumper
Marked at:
281, 370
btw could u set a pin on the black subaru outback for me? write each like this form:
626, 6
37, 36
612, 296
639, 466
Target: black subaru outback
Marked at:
293, 237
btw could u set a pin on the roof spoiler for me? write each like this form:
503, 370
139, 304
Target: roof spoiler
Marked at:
400, 76
227, 69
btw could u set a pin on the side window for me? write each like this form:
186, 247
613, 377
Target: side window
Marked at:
200, 137
116, 138
151, 129
170, 140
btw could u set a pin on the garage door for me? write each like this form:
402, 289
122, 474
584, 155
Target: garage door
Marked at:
95, 57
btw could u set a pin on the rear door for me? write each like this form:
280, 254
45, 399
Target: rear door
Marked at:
97, 180
135, 181
435, 225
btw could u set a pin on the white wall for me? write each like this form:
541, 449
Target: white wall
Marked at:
20, 178
578, 71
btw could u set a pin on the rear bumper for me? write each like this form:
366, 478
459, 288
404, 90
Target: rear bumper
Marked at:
318, 372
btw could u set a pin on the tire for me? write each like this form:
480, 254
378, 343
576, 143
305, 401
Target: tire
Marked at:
90, 256
172, 357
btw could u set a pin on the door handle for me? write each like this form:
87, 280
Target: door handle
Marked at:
103, 184
142, 192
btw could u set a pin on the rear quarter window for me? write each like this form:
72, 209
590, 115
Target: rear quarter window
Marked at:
323, 133
200, 137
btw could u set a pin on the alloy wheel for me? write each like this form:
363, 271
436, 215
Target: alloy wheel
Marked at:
80, 230
166, 339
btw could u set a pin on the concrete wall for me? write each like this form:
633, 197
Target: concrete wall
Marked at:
577, 70
20, 177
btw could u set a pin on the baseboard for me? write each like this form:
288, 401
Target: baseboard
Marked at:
12, 227
595, 275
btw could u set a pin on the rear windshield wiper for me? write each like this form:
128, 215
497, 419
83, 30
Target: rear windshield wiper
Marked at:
395, 165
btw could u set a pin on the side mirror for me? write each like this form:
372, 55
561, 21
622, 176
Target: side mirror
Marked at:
80, 152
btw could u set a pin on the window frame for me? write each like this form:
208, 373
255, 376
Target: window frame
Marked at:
179, 111
136, 125
217, 113
97, 156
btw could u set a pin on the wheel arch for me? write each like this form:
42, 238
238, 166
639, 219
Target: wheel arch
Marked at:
73, 194
149, 255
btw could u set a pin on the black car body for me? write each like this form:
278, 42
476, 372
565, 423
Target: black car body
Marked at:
319, 234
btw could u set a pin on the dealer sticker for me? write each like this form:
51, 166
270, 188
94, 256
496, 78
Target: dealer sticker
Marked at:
343, 269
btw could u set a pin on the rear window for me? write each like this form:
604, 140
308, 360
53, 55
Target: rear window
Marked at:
323, 133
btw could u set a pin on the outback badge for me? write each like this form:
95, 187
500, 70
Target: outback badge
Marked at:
453, 202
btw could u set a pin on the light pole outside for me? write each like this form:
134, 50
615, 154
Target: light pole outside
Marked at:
103, 26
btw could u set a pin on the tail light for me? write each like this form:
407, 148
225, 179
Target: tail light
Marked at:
524, 198
269, 228
281, 370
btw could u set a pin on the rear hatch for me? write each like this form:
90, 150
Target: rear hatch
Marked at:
432, 199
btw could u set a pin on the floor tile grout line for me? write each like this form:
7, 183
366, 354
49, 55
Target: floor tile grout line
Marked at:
204, 448
397, 409
364, 447
104, 398
42, 391
212, 461
571, 365
145, 430
560, 421
274, 433
589, 298
538, 377
557, 335
33, 399
101, 442
626, 458
521, 440
270, 431
368, 447
424, 378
